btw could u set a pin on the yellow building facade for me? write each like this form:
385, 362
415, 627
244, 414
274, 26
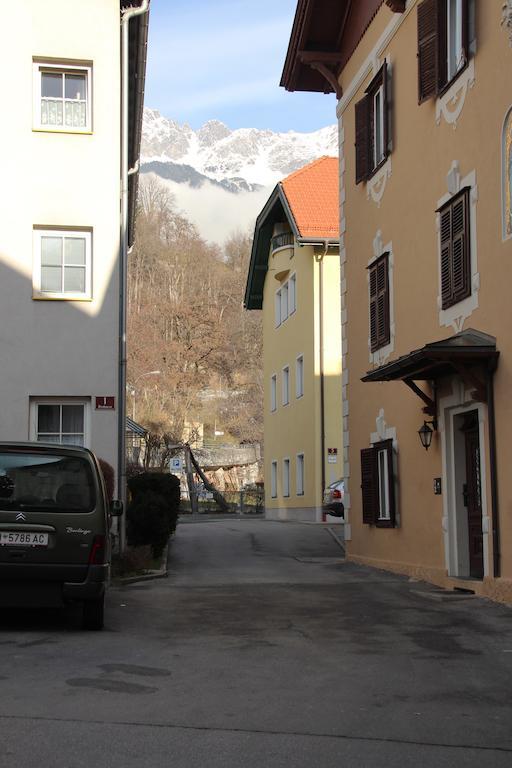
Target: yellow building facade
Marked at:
294, 279
425, 122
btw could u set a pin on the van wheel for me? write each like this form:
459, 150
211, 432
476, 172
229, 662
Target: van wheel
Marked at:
94, 614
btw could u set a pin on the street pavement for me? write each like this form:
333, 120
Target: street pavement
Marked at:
262, 648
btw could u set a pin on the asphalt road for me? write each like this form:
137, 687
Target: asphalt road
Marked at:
262, 648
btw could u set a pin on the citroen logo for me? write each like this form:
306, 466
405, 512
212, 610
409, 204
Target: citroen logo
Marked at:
20, 516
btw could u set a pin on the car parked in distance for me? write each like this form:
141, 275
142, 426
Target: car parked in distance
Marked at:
333, 498
54, 528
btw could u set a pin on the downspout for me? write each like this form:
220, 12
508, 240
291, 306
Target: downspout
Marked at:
320, 259
126, 16
491, 414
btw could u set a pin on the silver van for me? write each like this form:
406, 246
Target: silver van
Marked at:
54, 528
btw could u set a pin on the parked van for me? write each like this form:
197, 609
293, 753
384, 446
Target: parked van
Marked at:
54, 528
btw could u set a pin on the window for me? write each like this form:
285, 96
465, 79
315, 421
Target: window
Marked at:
278, 308
378, 485
284, 302
292, 295
62, 97
372, 117
62, 264
273, 479
300, 474
286, 385
446, 37
379, 302
299, 376
59, 422
286, 477
455, 252
273, 393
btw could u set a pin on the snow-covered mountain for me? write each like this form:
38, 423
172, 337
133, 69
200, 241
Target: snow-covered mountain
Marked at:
220, 177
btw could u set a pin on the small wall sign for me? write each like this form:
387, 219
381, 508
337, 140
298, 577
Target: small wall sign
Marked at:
332, 455
437, 486
176, 465
105, 403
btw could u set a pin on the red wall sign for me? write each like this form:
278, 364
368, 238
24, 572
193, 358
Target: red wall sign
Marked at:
105, 403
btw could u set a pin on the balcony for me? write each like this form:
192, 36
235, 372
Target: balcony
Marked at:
282, 241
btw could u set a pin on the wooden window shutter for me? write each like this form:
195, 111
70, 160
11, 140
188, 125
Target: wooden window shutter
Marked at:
455, 255
446, 257
379, 303
362, 111
460, 251
369, 486
386, 93
428, 49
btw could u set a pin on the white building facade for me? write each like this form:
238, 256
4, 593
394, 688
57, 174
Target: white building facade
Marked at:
62, 248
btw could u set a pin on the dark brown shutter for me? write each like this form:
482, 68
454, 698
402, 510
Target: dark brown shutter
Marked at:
362, 110
460, 250
388, 116
428, 49
379, 303
446, 257
465, 29
369, 486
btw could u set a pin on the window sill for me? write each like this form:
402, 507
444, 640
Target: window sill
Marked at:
36, 296
55, 129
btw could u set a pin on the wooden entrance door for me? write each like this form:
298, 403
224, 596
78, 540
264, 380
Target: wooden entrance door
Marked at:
473, 496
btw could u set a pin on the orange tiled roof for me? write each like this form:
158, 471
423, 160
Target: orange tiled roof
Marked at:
313, 196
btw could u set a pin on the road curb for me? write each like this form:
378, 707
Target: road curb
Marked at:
162, 573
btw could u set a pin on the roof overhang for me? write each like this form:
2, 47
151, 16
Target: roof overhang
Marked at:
276, 210
466, 354
324, 35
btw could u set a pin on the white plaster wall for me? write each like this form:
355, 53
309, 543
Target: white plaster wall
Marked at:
59, 348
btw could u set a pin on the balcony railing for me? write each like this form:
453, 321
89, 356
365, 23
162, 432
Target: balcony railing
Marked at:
282, 240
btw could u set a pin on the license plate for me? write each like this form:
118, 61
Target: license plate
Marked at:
23, 539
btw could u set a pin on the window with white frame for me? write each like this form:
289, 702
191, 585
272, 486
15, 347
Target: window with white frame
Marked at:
284, 302
62, 97
299, 376
62, 264
292, 294
278, 308
300, 474
286, 477
286, 385
59, 421
273, 393
273, 479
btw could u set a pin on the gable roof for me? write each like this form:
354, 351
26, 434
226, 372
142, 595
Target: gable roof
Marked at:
313, 197
308, 200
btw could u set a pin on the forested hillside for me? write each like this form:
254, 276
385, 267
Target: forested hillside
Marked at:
186, 320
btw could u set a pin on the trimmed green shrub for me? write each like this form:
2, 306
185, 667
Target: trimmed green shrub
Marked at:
152, 514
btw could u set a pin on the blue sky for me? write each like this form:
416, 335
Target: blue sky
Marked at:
222, 60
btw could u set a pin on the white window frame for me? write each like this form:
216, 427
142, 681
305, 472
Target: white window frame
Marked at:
273, 392
300, 474
35, 402
286, 385
37, 292
286, 478
383, 473
69, 67
284, 302
273, 479
379, 150
454, 46
299, 376
292, 294
278, 307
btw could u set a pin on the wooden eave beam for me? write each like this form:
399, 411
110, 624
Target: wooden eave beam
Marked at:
430, 404
479, 393
397, 6
318, 60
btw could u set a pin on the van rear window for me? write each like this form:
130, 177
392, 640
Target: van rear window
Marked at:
46, 482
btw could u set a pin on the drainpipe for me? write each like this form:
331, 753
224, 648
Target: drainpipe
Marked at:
126, 15
320, 259
491, 414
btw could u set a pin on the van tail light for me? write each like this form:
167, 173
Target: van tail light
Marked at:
97, 554
336, 494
